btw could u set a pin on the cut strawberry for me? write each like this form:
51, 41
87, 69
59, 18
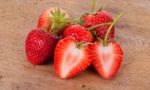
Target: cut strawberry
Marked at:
107, 55
70, 58
107, 59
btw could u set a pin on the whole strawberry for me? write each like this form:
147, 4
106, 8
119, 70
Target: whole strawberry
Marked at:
41, 42
79, 33
40, 46
100, 17
53, 19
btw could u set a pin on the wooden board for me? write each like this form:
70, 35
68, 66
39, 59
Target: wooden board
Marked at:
18, 17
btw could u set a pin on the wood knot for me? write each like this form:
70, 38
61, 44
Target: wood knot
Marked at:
1, 77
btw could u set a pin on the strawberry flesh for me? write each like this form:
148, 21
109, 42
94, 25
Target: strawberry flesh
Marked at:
69, 60
106, 59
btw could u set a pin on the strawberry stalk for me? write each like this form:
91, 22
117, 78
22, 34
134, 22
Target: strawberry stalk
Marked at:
80, 45
91, 29
105, 41
72, 20
98, 25
93, 5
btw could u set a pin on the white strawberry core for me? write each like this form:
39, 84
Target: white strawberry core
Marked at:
106, 58
71, 58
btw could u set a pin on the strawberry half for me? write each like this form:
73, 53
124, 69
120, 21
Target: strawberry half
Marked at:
107, 55
106, 59
79, 33
70, 58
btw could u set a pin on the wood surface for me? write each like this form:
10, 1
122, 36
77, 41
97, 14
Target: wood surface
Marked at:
18, 17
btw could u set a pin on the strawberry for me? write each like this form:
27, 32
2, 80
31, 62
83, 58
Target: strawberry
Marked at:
99, 17
70, 58
53, 19
40, 46
79, 33
107, 55
107, 59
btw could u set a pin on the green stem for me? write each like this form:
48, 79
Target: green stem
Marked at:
111, 26
98, 25
93, 4
71, 20
80, 45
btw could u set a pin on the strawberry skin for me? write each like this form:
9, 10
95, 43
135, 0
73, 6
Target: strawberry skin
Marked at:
69, 60
40, 46
79, 33
47, 17
44, 19
106, 59
99, 18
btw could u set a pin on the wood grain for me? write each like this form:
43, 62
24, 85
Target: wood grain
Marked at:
18, 17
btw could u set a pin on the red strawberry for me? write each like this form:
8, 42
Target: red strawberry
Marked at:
70, 58
107, 55
79, 33
107, 59
40, 46
53, 19
99, 18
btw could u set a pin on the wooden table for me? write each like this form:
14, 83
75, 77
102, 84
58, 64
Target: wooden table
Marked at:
18, 17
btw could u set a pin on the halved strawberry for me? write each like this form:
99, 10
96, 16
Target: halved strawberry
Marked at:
106, 59
107, 55
71, 57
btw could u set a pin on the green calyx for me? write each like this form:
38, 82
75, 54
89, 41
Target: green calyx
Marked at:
80, 45
59, 21
106, 41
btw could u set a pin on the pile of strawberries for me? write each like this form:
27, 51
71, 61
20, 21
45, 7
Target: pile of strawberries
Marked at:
75, 44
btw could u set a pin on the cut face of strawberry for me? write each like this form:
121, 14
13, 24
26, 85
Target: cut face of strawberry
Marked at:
106, 59
69, 59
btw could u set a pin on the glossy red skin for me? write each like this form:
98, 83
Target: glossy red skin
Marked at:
98, 18
40, 46
79, 33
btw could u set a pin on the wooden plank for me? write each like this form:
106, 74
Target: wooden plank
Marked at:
18, 17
